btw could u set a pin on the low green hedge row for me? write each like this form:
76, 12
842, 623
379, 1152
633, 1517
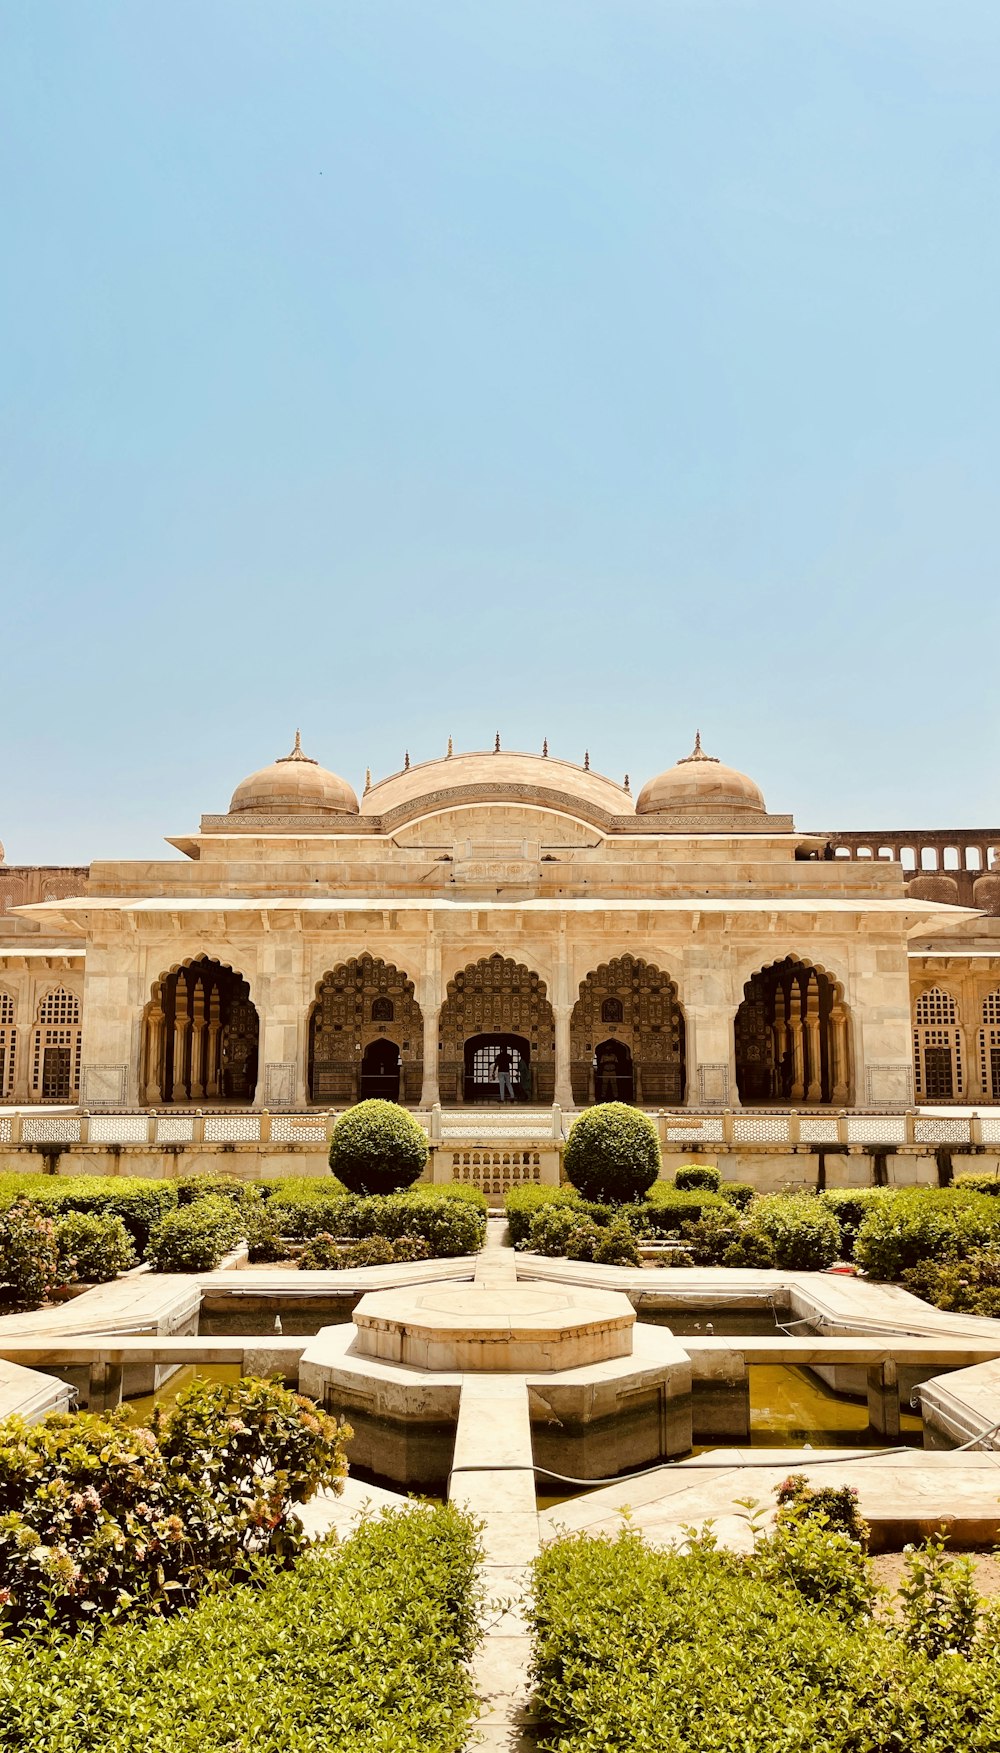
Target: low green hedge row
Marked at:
139, 1203
902, 1229
641, 1650
360, 1648
194, 1238
449, 1225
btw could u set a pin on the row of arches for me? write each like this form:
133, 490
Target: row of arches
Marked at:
41, 1062
953, 1059
366, 1035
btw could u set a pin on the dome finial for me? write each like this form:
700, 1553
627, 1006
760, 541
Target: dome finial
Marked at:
368, 779
627, 787
297, 754
545, 746
451, 749
406, 762
586, 761
496, 745
697, 753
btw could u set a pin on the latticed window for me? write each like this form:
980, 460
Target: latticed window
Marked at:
989, 1047
612, 1011
937, 1047
55, 1058
8, 1045
383, 1010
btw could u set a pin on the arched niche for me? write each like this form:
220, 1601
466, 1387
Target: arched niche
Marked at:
793, 1036
493, 998
201, 1035
365, 1034
633, 1005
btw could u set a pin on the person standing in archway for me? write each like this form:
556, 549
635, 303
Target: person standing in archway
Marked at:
607, 1075
502, 1067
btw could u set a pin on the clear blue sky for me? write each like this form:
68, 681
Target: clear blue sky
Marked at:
398, 368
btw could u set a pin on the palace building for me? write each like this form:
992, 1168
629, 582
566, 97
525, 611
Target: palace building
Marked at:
681, 948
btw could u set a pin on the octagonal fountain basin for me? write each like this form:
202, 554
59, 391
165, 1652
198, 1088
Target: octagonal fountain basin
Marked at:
470, 1327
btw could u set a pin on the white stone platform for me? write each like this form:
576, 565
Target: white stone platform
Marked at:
484, 1327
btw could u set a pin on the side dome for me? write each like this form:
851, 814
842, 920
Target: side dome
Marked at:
933, 886
701, 785
294, 785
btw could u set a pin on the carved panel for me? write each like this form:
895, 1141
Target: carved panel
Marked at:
363, 1000
650, 1027
497, 996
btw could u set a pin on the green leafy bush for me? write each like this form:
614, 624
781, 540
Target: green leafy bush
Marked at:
612, 1153
265, 1241
140, 1204
378, 1147
971, 1183
939, 1600
522, 1203
833, 1506
100, 1518
554, 1226
668, 1208
804, 1233
697, 1176
643, 1650
709, 1236
322, 1253
751, 1250
359, 1648
739, 1193
970, 1286
906, 1228
195, 1237
450, 1227
92, 1249
850, 1206
244, 1194
29, 1256
615, 1245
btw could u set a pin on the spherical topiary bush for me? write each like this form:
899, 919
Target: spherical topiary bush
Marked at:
612, 1153
698, 1175
377, 1148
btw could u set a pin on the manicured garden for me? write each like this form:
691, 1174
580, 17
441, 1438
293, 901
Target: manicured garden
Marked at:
157, 1591
641, 1650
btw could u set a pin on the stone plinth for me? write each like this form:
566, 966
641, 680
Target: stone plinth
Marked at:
470, 1327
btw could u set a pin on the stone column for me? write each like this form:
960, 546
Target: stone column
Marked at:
198, 1042
212, 1068
838, 1057
814, 1089
564, 1082
178, 1088
154, 1053
430, 1006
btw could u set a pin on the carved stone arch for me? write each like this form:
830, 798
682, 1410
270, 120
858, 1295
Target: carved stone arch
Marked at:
649, 1027
200, 1034
792, 1035
501, 1001
362, 1008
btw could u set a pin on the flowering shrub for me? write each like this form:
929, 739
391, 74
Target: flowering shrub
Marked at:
100, 1518
970, 1286
29, 1256
93, 1250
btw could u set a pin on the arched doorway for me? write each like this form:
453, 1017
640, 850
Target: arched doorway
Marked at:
380, 1066
201, 1036
482, 1081
614, 1076
629, 1007
55, 1048
497, 999
365, 1024
792, 1037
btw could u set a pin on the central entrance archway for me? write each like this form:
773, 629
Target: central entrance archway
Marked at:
380, 1069
492, 1001
627, 1030
614, 1076
482, 1077
366, 1034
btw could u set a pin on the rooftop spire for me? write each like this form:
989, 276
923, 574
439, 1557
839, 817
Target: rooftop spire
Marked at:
545, 746
697, 753
297, 754
451, 750
496, 745
368, 779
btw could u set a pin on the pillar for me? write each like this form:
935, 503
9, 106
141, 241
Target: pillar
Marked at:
198, 1041
564, 1083
814, 1088
838, 1056
212, 1069
883, 1399
178, 1085
154, 1053
430, 1007
797, 1033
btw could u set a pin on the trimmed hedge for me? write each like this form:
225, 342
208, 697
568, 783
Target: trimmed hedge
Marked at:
906, 1228
378, 1147
243, 1194
361, 1648
850, 1206
92, 1249
522, 1203
612, 1153
739, 1193
140, 1204
644, 1650
195, 1237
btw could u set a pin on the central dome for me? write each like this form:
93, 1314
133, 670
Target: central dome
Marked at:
294, 785
493, 775
701, 785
